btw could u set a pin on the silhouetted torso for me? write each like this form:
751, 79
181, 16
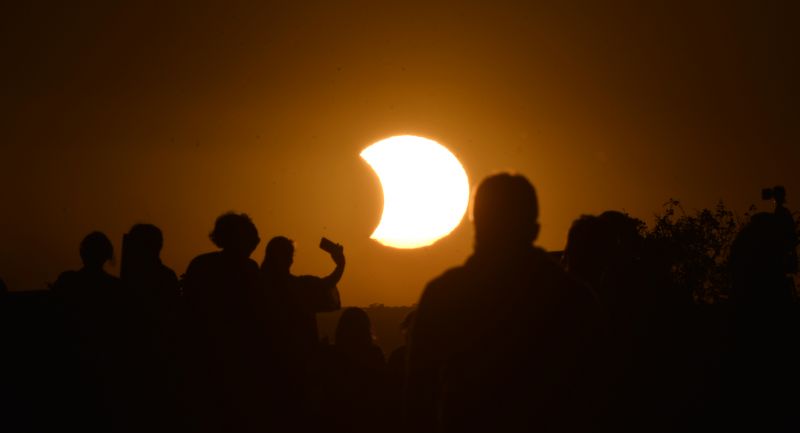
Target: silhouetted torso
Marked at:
92, 298
155, 282
221, 291
94, 307
226, 314
504, 343
352, 383
295, 302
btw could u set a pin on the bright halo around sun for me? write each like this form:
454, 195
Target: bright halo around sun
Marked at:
425, 190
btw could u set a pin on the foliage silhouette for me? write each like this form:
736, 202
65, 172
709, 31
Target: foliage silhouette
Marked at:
696, 247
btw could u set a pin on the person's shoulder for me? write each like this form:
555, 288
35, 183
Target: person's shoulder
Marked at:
112, 281
205, 257
65, 279
452, 275
567, 285
252, 266
446, 284
168, 273
204, 260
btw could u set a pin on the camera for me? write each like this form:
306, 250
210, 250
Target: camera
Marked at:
777, 193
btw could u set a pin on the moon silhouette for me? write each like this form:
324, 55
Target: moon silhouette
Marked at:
425, 190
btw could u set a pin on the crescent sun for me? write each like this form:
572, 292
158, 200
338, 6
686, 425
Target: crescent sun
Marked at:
425, 190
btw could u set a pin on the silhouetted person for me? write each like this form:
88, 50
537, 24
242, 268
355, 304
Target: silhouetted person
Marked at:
586, 254
648, 347
227, 312
155, 319
141, 267
294, 303
352, 383
788, 227
219, 285
762, 366
757, 262
506, 342
94, 305
91, 295
296, 300
91, 279
354, 339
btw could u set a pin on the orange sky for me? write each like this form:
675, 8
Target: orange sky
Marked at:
118, 114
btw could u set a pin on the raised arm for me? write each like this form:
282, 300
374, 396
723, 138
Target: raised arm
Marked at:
333, 278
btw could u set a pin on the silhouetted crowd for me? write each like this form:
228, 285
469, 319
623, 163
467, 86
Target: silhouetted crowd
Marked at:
514, 340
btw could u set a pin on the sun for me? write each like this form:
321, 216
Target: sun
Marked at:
425, 190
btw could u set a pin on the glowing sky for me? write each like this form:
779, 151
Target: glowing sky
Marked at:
172, 114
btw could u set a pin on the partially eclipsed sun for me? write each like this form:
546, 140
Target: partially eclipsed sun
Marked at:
425, 190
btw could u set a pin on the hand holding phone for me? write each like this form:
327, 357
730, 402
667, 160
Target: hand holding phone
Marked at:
335, 250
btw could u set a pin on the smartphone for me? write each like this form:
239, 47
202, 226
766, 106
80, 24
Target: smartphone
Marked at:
329, 246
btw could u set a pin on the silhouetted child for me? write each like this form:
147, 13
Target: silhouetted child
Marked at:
353, 387
355, 340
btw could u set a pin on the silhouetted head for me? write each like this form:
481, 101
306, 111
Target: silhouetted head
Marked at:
589, 243
279, 255
627, 235
235, 233
3, 287
354, 328
147, 240
757, 261
505, 212
96, 250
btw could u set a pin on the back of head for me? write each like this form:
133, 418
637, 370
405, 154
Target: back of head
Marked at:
354, 328
505, 212
96, 250
148, 237
145, 242
235, 233
589, 242
626, 229
278, 255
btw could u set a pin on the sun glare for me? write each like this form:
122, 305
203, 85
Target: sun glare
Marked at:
425, 190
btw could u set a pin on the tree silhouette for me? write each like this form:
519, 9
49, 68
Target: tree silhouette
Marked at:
695, 246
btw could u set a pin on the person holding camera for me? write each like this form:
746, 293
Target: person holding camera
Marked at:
296, 300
